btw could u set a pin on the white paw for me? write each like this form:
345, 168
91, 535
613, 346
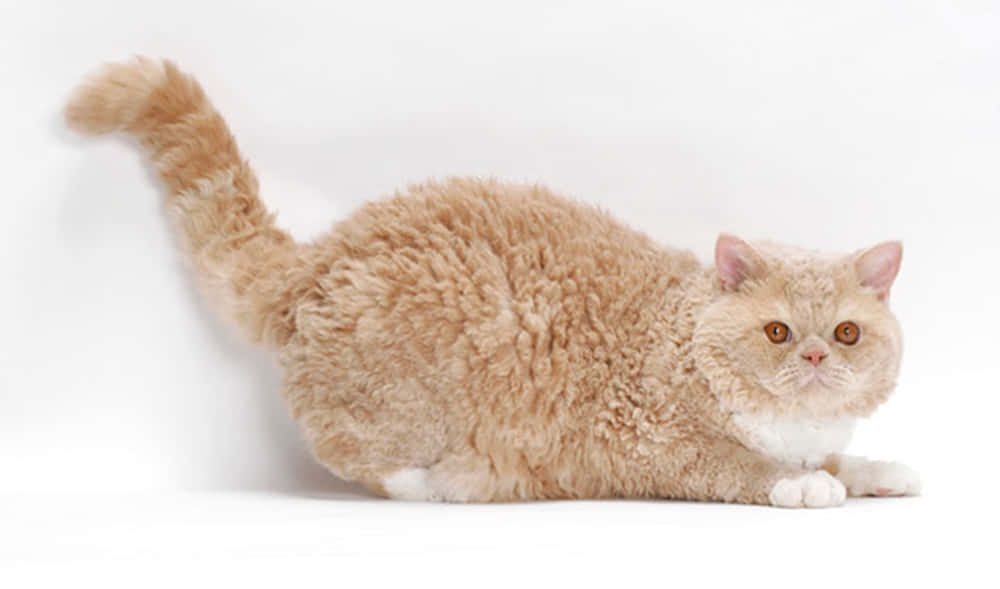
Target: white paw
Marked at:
410, 484
814, 489
878, 478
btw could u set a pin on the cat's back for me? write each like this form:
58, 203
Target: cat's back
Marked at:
468, 248
476, 276
457, 215
467, 210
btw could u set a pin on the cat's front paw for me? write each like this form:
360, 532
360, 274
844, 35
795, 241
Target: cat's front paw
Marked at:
814, 489
878, 478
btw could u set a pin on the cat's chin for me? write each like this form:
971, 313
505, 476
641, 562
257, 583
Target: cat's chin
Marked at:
814, 380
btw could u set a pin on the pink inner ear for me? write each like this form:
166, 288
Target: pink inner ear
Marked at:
735, 261
878, 266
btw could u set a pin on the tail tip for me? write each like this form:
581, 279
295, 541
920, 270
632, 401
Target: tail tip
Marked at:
115, 95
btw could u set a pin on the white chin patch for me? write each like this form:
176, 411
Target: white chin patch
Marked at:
410, 484
797, 442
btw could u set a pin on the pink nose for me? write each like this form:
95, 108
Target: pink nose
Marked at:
814, 356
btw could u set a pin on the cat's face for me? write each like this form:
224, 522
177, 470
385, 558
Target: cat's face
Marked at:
799, 333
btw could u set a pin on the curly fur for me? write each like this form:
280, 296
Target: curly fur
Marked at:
472, 340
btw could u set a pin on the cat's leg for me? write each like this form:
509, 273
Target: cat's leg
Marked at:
467, 478
878, 478
401, 478
712, 470
377, 449
723, 470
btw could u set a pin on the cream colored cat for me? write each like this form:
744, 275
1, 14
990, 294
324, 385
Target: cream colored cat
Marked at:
472, 340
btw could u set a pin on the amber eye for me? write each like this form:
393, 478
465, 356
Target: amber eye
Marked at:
777, 332
847, 333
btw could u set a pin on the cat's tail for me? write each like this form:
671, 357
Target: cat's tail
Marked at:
244, 261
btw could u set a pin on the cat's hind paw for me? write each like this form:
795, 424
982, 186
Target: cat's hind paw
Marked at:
410, 484
878, 478
814, 489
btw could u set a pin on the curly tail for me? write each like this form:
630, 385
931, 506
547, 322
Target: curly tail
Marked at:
242, 258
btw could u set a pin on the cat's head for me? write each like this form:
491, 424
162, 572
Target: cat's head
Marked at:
800, 333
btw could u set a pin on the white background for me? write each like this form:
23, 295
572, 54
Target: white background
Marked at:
141, 440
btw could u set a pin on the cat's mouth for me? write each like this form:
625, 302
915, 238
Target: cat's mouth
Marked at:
814, 379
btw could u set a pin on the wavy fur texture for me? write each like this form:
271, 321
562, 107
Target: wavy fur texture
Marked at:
473, 340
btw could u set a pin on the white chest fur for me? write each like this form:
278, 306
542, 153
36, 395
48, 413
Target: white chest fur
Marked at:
798, 442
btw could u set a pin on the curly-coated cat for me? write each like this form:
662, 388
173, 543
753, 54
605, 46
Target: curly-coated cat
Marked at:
475, 340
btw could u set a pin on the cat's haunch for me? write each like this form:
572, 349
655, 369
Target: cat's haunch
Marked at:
475, 340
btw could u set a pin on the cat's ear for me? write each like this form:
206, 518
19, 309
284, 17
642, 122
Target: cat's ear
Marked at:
877, 266
736, 261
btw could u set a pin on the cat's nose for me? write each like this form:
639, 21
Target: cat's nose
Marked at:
814, 356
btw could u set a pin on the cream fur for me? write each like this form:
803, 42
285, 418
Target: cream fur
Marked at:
472, 340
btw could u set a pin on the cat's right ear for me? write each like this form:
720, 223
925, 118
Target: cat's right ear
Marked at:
736, 261
877, 266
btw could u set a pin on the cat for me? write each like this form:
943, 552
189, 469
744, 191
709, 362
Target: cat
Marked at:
471, 340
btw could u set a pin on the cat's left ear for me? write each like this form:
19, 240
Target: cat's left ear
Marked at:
736, 261
877, 266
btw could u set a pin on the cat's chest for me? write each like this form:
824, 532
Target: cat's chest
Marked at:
797, 442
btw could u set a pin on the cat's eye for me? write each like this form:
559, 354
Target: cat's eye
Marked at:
847, 333
777, 332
